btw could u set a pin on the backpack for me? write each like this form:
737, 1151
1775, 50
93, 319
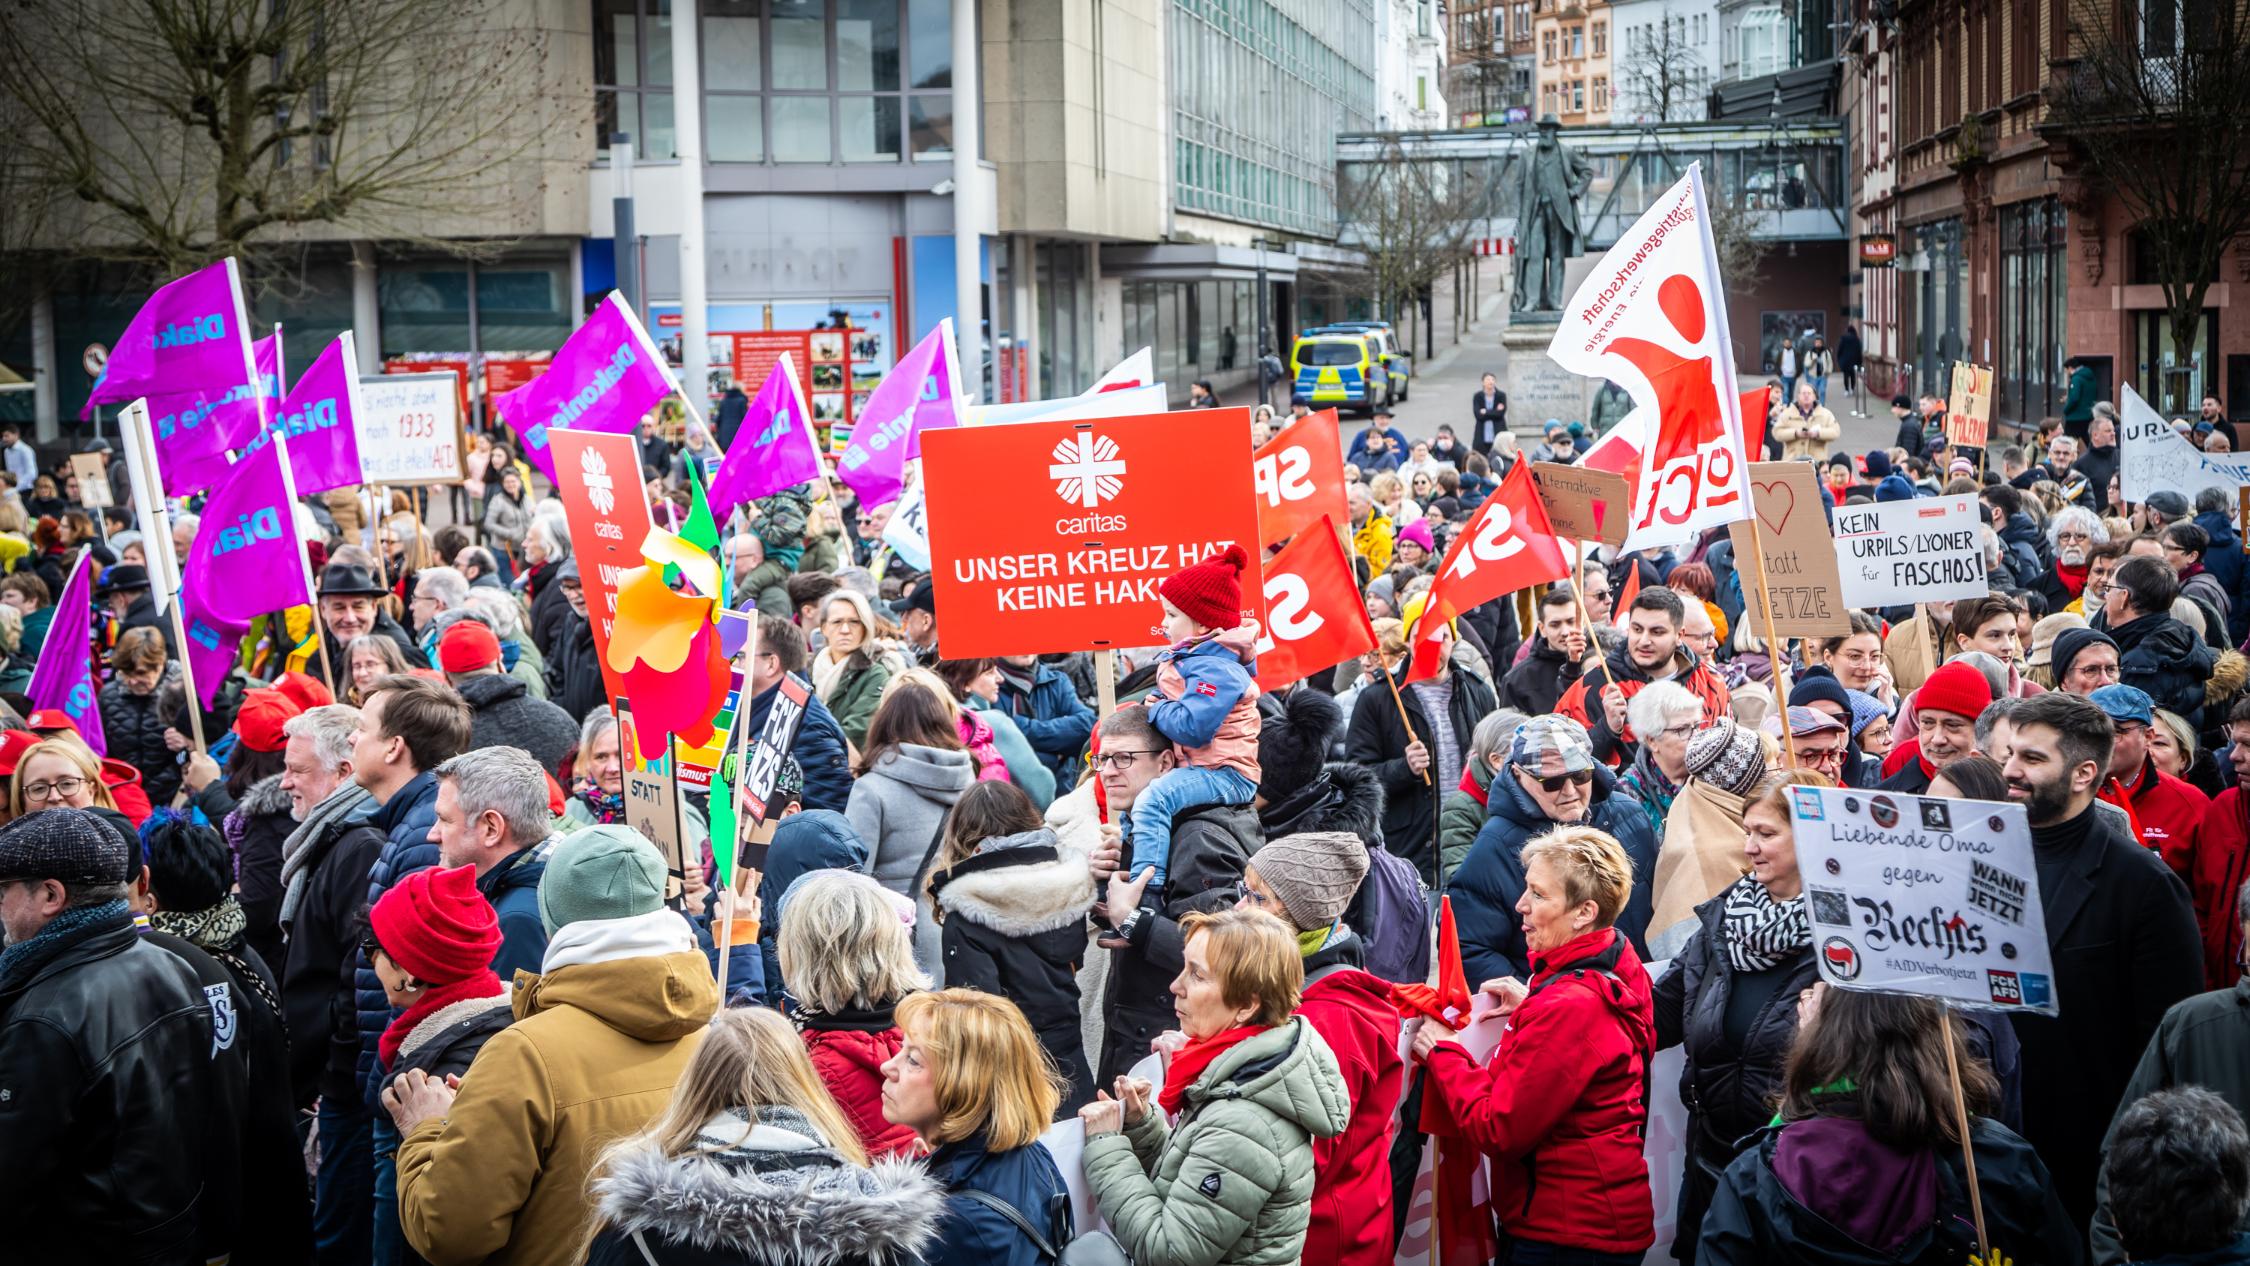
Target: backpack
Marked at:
1392, 917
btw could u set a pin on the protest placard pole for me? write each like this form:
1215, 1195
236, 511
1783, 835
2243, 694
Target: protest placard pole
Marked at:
723, 931
1961, 1123
1774, 654
1389, 679
164, 575
1937, 638
1586, 617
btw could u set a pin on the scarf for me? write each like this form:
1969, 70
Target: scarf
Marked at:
483, 984
1191, 1060
25, 959
606, 808
216, 927
2072, 578
1759, 932
826, 672
1311, 943
296, 853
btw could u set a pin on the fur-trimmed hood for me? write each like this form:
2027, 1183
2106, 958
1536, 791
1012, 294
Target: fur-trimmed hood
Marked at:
2228, 676
1018, 885
264, 798
1342, 797
462, 1026
779, 1195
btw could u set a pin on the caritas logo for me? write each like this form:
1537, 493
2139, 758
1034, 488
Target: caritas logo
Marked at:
1086, 470
601, 492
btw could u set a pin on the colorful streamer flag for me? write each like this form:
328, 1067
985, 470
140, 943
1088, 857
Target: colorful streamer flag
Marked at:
64, 676
1506, 545
194, 429
1652, 317
664, 643
321, 416
775, 448
1136, 370
247, 559
700, 528
1630, 590
1314, 616
191, 334
605, 377
1299, 475
886, 434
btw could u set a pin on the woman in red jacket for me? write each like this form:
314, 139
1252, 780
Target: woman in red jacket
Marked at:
1561, 1107
846, 960
1308, 879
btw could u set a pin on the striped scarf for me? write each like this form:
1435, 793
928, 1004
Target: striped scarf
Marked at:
1759, 932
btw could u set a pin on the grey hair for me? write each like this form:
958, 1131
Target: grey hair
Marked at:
1985, 662
506, 781
1652, 707
188, 521
1994, 713
1493, 734
2206, 501
445, 584
2078, 517
552, 531
860, 581
2178, 1167
329, 729
2106, 409
843, 946
499, 611
599, 720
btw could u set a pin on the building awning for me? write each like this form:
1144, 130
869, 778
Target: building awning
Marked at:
1806, 92
1196, 261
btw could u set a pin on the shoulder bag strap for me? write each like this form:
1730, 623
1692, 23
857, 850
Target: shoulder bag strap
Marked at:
922, 872
642, 1245
1012, 1214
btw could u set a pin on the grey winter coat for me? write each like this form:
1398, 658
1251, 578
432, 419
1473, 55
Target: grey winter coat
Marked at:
897, 808
1235, 1173
503, 714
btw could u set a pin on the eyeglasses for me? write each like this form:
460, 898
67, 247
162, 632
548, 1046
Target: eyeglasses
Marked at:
1121, 761
58, 789
1681, 731
1597, 595
1559, 781
1244, 892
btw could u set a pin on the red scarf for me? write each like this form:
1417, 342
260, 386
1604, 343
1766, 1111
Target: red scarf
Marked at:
2073, 578
1189, 1063
484, 984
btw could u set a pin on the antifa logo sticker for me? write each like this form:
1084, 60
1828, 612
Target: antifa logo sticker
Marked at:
1210, 1185
221, 1001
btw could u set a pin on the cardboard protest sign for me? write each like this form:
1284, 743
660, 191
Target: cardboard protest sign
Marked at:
1896, 553
1922, 895
598, 477
652, 807
1583, 503
2153, 457
771, 743
410, 429
1102, 510
1315, 618
93, 480
1800, 559
1299, 475
1968, 406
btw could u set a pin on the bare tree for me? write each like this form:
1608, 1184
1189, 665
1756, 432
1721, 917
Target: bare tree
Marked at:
167, 133
1662, 78
2154, 106
1480, 63
1411, 219
1734, 236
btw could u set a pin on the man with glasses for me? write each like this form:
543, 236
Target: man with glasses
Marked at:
1823, 742
2072, 535
1593, 580
2165, 810
1211, 844
1551, 780
2155, 651
819, 746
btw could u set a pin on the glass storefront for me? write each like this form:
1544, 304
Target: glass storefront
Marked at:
2034, 310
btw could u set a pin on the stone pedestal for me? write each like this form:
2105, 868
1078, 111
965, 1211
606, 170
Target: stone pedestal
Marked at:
1537, 387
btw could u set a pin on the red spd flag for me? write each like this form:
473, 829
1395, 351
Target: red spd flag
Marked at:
1314, 616
1299, 476
1508, 544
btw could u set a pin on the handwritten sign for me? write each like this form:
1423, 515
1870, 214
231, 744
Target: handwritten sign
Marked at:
2153, 456
1921, 895
652, 807
1900, 552
93, 480
410, 429
1800, 560
772, 742
1582, 503
1968, 407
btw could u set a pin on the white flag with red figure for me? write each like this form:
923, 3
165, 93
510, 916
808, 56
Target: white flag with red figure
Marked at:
1653, 319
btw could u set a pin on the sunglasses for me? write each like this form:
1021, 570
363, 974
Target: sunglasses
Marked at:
1559, 781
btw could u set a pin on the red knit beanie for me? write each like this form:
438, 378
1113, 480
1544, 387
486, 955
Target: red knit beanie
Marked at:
1955, 688
1210, 592
436, 925
467, 646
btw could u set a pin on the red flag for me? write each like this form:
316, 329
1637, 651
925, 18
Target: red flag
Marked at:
1631, 591
1314, 616
1460, 1204
1508, 544
1448, 1002
1299, 475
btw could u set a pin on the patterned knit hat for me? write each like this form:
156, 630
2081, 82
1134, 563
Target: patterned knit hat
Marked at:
1550, 746
1210, 592
1314, 873
71, 845
1727, 756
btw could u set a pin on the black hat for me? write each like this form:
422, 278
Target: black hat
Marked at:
120, 578
2070, 644
343, 580
923, 599
72, 845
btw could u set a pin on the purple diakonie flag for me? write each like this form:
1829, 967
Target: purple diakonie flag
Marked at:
320, 413
246, 559
917, 393
211, 645
64, 677
191, 334
773, 449
194, 430
604, 377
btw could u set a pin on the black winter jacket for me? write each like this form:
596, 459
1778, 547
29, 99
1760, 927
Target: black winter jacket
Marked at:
1211, 844
550, 611
502, 713
405, 821
112, 1105
1729, 1090
1536, 685
1491, 879
317, 967
136, 736
255, 831
1378, 739
447, 1040
574, 671
2204, 1041
1015, 927
2165, 658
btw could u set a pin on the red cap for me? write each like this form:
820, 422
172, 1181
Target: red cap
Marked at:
259, 720
436, 925
467, 646
13, 744
1955, 688
51, 719
1210, 592
306, 691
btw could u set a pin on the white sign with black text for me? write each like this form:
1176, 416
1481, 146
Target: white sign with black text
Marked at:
1896, 553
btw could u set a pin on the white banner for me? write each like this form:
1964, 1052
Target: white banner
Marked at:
2152, 457
1896, 553
410, 429
908, 531
1921, 895
1118, 403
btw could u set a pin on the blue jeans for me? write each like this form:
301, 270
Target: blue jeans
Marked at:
1820, 388
1182, 788
389, 1240
342, 1187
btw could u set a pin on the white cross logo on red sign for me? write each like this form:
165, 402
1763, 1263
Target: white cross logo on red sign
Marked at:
1086, 469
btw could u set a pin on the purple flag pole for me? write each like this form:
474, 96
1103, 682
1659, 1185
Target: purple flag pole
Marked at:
164, 579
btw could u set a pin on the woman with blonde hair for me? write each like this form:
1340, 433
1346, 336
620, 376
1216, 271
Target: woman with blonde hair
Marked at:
972, 1083
1390, 496
752, 1163
850, 670
63, 774
846, 962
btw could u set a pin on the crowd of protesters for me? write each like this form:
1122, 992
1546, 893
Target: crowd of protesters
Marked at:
381, 973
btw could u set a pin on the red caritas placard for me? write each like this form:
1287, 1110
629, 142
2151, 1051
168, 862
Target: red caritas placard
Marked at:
1299, 475
1314, 616
1052, 536
598, 478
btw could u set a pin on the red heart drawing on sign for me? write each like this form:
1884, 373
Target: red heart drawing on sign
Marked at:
1776, 502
